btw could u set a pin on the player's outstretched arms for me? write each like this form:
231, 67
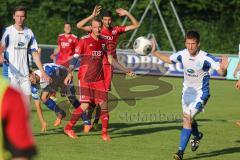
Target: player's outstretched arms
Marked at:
116, 64
238, 85
135, 24
237, 69
164, 57
81, 24
223, 66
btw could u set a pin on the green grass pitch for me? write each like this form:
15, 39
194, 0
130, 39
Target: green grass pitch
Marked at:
144, 124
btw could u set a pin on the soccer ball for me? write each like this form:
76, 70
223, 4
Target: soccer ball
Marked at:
142, 46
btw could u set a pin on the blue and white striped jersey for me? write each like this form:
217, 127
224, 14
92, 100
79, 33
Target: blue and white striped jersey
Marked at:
196, 68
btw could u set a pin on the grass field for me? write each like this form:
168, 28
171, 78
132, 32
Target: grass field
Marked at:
144, 124
147, 126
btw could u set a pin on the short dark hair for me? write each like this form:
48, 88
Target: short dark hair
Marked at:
106, 13
67, 23
192, 34
20, 8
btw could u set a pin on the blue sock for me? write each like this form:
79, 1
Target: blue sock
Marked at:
51, 104
195, 131
85, 119
184, 138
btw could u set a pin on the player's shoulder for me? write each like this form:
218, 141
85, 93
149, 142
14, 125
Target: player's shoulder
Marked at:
208, 56
74, 36
85, 37
8, 29
61, 35
182, 52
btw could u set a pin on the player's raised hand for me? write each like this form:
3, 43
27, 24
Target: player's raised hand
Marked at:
96, 10
122, 12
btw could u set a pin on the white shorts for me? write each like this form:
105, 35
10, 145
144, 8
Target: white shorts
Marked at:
193, 101
22, 83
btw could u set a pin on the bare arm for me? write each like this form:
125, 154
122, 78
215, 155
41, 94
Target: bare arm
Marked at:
81, 24
2, 48
40, 115
123, 12
37, 60
164, 57
55, 53
116, 64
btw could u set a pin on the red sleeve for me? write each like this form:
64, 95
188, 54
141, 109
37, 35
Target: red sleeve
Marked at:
120, 29
18, 137
80, 47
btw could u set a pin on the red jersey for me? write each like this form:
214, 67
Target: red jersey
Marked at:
67, 46
112, 34
17, 135
91, 52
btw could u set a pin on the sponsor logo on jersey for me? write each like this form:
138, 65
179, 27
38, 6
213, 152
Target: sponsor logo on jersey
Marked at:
191, 71
21, 44
65, 44
97, 53
110, 38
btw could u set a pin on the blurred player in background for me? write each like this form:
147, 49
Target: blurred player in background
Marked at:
16, 140
91, 49
66, 46
18, 41
196, 65
111, 33
41, 88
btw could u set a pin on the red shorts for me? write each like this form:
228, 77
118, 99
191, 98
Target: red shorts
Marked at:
92, 92
108, 72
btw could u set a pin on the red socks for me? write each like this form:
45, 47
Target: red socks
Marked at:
105, 121
75, 117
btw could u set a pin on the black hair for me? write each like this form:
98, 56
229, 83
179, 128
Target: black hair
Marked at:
192, 34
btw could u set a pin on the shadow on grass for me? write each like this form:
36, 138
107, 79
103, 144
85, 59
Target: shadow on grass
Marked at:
216, 153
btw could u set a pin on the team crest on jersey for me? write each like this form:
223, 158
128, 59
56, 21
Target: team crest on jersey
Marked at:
191, 71
90, 45
114, 32
69, 40
27, 37
21, 44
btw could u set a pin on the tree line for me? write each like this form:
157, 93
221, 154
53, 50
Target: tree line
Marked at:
218, 21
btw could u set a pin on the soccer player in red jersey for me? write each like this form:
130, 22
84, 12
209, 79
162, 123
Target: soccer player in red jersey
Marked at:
111, 33
92, 49
66, 46
15, 133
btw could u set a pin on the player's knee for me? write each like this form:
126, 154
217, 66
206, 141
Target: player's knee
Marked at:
187, 119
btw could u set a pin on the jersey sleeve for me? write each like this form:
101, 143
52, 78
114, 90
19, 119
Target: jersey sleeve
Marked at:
17, 132
33, 46
5, 38
58, 41
176, 57
80, 47
35, 92
120, 29
214, 62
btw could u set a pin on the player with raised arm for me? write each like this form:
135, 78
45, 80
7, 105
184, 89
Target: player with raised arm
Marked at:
18, 41
91, 49
111, 33
196, 66
57, 73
